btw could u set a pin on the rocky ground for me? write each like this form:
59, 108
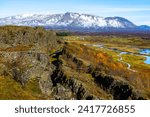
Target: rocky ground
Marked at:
36, 64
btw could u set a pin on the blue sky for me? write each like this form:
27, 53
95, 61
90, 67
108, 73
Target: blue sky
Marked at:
137, 11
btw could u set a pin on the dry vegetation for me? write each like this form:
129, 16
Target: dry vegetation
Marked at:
25, 49
107, 60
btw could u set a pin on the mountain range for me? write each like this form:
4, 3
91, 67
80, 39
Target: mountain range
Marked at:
73, 21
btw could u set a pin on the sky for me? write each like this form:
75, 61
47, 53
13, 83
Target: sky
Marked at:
137, 11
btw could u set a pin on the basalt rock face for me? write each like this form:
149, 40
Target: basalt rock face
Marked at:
23, 66
71, 88
26, 61
118, 88
24, 58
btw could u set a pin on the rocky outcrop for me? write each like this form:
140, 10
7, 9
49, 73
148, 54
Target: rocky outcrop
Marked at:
45, 83
74, 87
119, 88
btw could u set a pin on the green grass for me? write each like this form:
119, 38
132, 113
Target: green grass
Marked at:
33, 86
11, 90
135, 60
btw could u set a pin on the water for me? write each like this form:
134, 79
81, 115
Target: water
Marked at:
147, 61
146, 52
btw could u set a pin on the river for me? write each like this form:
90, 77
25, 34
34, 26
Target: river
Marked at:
147, 53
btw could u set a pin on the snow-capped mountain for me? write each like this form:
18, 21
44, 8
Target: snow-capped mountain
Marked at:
71, 21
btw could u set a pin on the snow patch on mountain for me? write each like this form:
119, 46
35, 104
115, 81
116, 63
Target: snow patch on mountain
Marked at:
67, 20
